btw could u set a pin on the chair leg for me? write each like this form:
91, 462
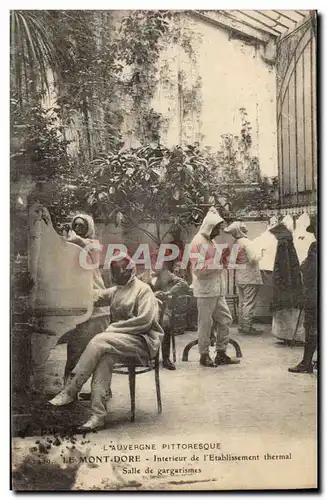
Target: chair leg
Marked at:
237, 308
188, 348
132, 377
173, 345
236, 347
157, 380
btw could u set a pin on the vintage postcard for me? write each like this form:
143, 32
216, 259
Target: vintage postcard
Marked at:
163, 250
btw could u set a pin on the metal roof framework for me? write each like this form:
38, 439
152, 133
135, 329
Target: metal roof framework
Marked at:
263, 25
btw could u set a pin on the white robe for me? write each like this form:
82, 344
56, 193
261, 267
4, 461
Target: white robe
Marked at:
302, 239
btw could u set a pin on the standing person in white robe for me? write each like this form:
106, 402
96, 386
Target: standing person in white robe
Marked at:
248, 279
286, 324
209, 288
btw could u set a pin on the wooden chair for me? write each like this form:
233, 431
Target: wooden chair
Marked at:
232, 298
233, 301
133, 369
192, 315
195, 342
178, 320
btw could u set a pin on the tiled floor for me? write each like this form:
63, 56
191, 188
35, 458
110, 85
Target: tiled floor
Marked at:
257, 399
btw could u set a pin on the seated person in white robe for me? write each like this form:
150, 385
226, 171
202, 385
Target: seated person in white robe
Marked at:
82, 234
133, 336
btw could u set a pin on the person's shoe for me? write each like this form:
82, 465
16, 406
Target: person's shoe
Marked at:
84, 396
223, 359
205, 360
94, 423
166, 363
61, 399
301, 368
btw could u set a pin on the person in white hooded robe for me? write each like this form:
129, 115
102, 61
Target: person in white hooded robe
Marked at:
248, 279
82, 234
210, 287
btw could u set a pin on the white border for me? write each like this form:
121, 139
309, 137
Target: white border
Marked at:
4, 184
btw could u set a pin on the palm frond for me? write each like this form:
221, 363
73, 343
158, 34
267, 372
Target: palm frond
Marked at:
33, 52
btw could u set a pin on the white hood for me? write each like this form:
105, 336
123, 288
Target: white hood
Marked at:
90, 224
301, 238
210, 221
237, 230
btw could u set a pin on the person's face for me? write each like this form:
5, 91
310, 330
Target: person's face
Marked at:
80, 227
180, 272
164, 275
177, 270
120, 272
216, 230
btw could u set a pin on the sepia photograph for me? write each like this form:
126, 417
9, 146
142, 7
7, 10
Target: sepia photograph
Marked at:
163, 250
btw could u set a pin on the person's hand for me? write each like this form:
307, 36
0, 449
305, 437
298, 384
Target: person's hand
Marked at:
65, 231
161, 295
71, 235
97, 295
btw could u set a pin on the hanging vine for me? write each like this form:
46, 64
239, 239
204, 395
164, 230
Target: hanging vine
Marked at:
140, 41
189, 79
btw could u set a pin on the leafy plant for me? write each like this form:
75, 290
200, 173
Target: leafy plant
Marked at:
150, 184
170, 186
95, 66
38, 148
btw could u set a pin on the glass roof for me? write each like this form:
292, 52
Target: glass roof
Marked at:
261, 24
275, 22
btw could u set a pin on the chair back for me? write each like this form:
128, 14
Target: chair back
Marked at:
162, 310
179, 309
